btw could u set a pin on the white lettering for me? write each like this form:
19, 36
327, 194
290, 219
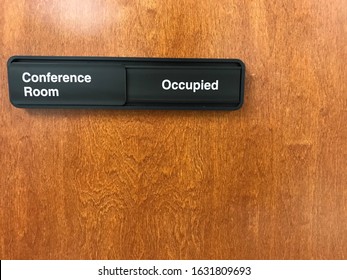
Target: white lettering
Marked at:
42, 78
24, 79
66, 78
166, 82
194, 86
214, 85
36, 92
53, 78
87, 79
34, 78
174, 85
27, 90
30, 92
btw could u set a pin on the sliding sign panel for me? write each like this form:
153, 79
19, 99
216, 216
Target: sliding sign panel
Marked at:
126, 83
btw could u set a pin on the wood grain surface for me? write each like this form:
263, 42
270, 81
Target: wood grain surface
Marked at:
266, 182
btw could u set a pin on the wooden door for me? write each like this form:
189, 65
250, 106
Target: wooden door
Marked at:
266, 182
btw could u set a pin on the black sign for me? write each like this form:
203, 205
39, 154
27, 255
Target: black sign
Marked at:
126, 83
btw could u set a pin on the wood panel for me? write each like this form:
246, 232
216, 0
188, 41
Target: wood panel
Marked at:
266, 182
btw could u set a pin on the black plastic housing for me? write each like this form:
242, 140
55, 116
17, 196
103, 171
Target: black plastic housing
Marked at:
126, 83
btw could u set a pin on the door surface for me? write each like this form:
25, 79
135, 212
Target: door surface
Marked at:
267, 181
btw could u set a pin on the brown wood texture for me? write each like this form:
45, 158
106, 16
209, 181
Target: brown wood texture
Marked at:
266, 182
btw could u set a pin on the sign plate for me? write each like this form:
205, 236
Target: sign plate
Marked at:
126, 83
